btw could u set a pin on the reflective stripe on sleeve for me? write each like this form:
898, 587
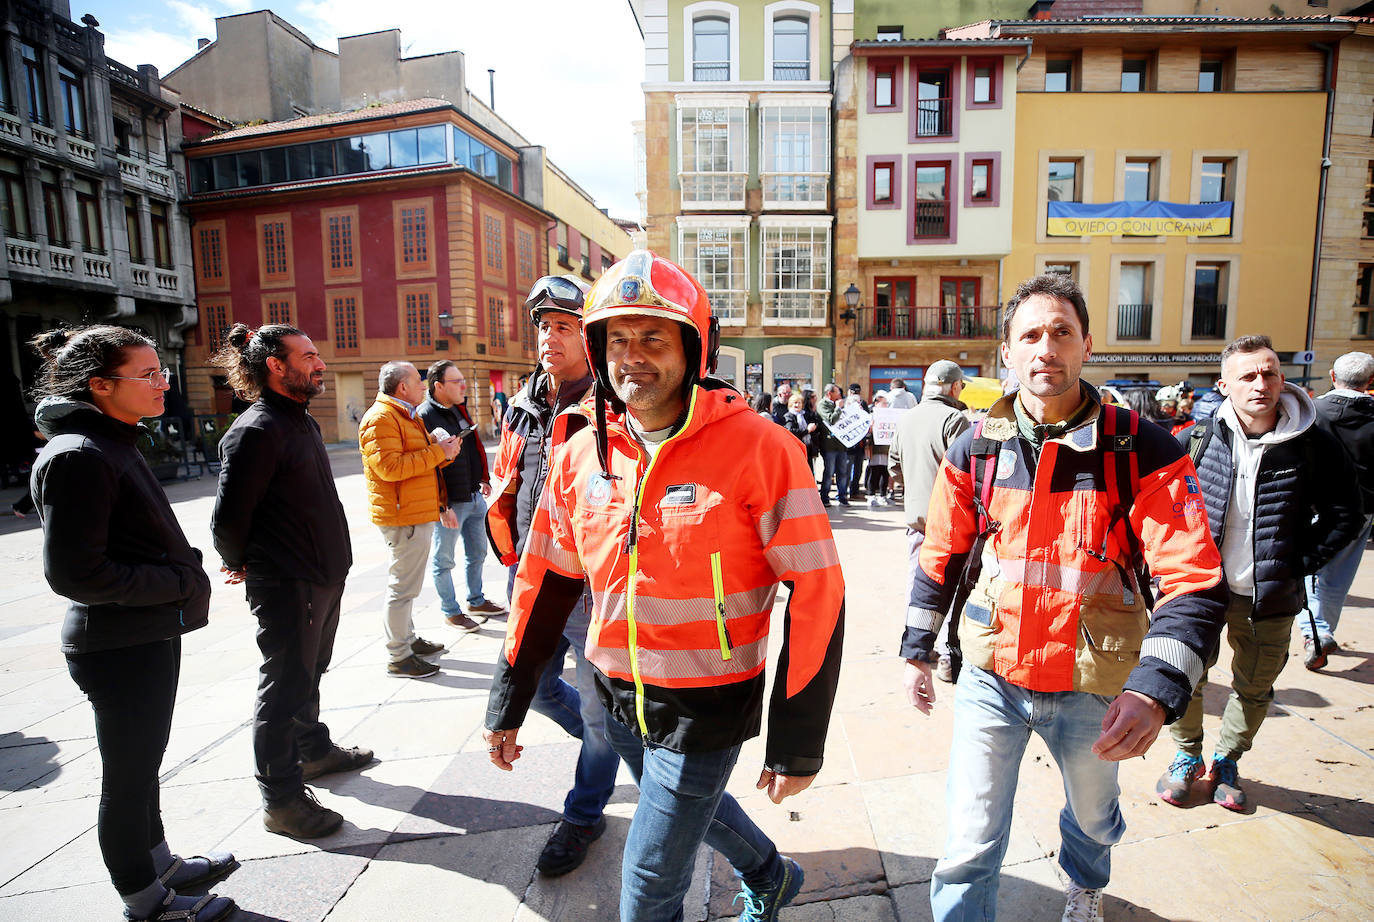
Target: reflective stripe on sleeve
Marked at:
561, 559
803, 558
794, 505
922, 619
1176, 654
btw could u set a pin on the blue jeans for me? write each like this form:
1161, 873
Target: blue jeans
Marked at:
580, 712
835, 463
472, 526
1328, 587
993, 721
682, 802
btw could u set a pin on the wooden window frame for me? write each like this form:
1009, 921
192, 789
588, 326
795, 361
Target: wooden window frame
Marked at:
205, 281
896, 69
207, 307
525, 279
403, 294
280, 297
286, 278
995, 83
331, 321
498, 335
894, 163
352, 273
952, 199
414, 268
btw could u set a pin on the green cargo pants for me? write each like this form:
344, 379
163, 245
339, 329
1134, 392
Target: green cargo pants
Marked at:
1260, 649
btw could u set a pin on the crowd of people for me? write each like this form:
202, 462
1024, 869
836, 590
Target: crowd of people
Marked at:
1072, 564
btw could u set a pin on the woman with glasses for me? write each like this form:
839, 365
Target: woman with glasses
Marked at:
112, 546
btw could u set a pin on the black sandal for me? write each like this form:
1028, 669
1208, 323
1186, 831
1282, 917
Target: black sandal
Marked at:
207, 908
221, 863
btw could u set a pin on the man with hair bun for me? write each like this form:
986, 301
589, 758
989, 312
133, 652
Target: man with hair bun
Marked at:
280, 529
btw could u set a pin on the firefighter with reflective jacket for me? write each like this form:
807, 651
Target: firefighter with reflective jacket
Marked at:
684, 510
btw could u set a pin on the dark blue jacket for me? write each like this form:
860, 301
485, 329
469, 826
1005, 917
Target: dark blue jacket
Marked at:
469, 470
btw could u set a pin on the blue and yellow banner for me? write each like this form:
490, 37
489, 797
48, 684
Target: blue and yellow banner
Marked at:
1138, 219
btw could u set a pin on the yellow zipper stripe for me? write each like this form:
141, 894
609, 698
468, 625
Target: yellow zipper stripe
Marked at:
634, 567
718, 582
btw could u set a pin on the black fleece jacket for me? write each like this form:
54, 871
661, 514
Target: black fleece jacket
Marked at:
277, 511
111, 543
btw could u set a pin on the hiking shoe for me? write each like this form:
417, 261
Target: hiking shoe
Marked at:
1081, 904
422, 647
567, 847
173, 908
463, 623
337, 759
488, 607
764, 905
1226, 777
302, 817
944, 669
1313, 654
412, 667
1175, 784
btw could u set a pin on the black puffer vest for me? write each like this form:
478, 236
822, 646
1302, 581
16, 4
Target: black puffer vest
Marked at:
1283, 513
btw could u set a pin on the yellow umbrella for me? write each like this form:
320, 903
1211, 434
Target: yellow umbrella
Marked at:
980, 393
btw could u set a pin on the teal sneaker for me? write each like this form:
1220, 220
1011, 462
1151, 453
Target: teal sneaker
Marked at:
1226, 778
1173, 786
764, 905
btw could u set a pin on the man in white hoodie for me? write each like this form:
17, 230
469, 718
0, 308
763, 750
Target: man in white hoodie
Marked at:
1277, 495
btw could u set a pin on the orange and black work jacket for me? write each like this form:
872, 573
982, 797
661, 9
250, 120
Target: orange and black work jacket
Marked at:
684, 554
529, 431
1051, 611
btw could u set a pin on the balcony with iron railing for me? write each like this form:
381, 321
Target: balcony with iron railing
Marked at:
712, 189
934, 118
710, 71
1133, 321
792, 189
794, 307
1209, 320
931, 219
962, 322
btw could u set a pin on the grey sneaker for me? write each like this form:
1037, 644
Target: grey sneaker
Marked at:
412, 667
422, 647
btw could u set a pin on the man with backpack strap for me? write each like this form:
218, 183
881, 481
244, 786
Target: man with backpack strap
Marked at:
1065, 496
1279, 503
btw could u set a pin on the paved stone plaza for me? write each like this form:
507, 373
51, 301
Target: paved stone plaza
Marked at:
433, 830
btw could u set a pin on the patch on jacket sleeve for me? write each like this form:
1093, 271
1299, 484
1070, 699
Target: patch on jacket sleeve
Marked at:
680, 494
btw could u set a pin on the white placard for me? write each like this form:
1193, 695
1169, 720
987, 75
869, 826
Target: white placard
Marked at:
852, 425
885, 420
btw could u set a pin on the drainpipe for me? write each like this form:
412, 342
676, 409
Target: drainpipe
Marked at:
1330, 54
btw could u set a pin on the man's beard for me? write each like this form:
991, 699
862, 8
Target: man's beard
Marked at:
300, 386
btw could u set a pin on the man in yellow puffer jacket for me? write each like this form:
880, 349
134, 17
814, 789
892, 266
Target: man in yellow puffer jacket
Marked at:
405, 496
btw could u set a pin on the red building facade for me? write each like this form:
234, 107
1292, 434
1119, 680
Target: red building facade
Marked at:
395, 232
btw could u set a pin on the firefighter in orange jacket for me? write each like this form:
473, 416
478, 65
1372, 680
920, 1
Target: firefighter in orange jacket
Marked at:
685, 510
1056, 631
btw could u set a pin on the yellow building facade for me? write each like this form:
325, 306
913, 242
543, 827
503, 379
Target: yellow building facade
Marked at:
1183, 112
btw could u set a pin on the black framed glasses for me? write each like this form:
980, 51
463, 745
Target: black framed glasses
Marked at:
557, 290
152, 378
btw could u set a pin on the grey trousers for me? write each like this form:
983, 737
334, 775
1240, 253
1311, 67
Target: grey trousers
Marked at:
409, 546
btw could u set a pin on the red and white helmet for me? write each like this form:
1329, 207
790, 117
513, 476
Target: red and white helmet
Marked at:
645, 284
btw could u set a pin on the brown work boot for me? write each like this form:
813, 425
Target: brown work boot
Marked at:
301, 817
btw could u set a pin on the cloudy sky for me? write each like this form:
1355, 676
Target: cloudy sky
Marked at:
568, 72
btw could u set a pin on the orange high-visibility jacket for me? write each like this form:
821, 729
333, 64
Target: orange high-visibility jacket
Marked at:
1048, 615
684, 554
400, 465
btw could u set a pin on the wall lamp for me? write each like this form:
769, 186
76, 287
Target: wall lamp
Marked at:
851, 300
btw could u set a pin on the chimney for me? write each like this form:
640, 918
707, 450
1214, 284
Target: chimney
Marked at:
491, 88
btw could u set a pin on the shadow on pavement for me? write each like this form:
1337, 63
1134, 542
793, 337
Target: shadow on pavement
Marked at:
23, 759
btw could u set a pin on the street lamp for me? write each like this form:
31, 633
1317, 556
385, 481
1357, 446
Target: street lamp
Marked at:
851, 300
